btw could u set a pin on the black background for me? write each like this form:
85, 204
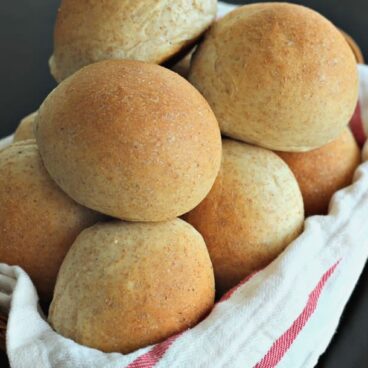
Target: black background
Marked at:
25, 46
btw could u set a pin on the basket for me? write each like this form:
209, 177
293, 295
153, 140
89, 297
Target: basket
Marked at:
354, 47
3, 318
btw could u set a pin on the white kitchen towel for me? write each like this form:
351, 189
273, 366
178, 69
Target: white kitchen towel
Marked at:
284, 315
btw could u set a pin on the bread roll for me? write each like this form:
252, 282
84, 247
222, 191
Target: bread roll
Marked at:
147, 30
131, 140
25, 128
124, 286
323, 171
38, 222
277, 75
254, 210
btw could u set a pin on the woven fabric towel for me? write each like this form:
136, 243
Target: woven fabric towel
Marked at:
284, 315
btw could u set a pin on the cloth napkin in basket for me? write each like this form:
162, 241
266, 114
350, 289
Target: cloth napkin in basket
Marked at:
284, 315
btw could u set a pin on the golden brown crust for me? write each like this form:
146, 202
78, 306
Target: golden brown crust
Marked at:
124, 286
323, 171
131, 140
38, 222
252, 213
277, 75
151, 31
25, 128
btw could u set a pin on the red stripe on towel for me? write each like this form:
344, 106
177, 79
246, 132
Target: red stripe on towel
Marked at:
278, 349
356, 126
283, 343
152, 357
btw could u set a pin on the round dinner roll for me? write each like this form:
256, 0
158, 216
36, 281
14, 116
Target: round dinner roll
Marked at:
25, 128
254, 210
323, 171
132, 140
38, 222
124, 286
148, 30
277, 75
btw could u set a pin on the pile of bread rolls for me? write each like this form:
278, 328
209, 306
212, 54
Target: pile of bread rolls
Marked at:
120, 198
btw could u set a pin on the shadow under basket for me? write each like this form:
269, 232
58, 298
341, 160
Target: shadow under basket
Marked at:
360, 59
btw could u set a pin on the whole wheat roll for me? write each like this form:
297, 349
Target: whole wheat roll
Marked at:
124, 286
132, 140
38, 222
24, 130
323, 171
253, 211
277, 75
149, 30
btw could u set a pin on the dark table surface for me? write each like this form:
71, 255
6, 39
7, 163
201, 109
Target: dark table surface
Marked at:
26, 44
